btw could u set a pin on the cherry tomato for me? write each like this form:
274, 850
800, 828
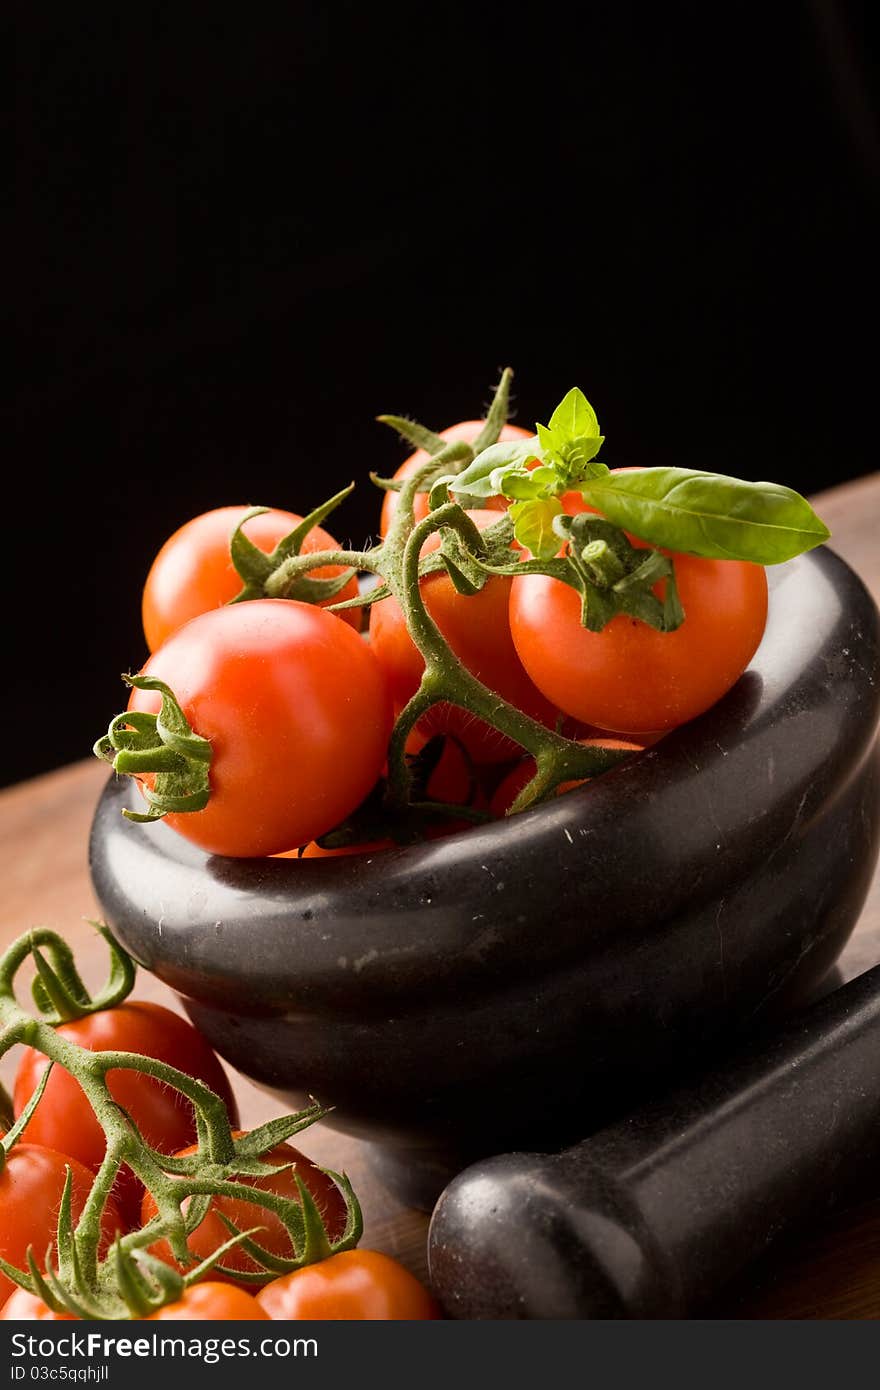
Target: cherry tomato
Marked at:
31, 1187
477, 629
629, 677
212, 1233
466, 430
22, 1306
296, 708
212, 1301
163, 1116
356, 1285
193, 572
512, 784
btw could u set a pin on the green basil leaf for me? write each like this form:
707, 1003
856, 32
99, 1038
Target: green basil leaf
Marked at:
475, 480
533, 525
523, 484
574, 417
708, 514
547, 440
578, 452
517, 484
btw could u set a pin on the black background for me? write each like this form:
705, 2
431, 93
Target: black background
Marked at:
241, 237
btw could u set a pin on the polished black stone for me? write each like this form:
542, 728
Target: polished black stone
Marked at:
522, 984
650, 1218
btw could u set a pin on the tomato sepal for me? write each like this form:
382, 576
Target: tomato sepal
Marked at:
413, 433
432, 443
615, 577
138, 743
47, 1286
362, 600
611, 575
148, 1284
385, 484
273, 1132
141, 1284
257, 569
314, 1242
467, 553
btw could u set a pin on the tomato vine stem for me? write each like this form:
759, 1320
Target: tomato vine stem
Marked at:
283, 579
397, 561
181, 1188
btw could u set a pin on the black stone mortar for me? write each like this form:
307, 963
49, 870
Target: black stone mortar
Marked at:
520, 985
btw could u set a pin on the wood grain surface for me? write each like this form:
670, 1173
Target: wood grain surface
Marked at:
829, 1272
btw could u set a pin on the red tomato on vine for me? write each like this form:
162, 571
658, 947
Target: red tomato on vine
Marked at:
64, 1116
361, 1285
212, 1233
193, 572
630, 678
296, 708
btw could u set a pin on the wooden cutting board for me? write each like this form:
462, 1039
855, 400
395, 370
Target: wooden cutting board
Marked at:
832, 1271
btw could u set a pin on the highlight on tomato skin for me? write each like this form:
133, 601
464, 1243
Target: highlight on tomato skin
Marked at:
298, 715
355, 1285
466, 430
193, 571
22, 1306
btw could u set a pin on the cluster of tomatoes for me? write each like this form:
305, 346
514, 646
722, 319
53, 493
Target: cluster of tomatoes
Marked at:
298, 704
63, 1133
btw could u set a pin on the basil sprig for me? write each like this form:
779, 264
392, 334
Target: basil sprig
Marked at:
680, 509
